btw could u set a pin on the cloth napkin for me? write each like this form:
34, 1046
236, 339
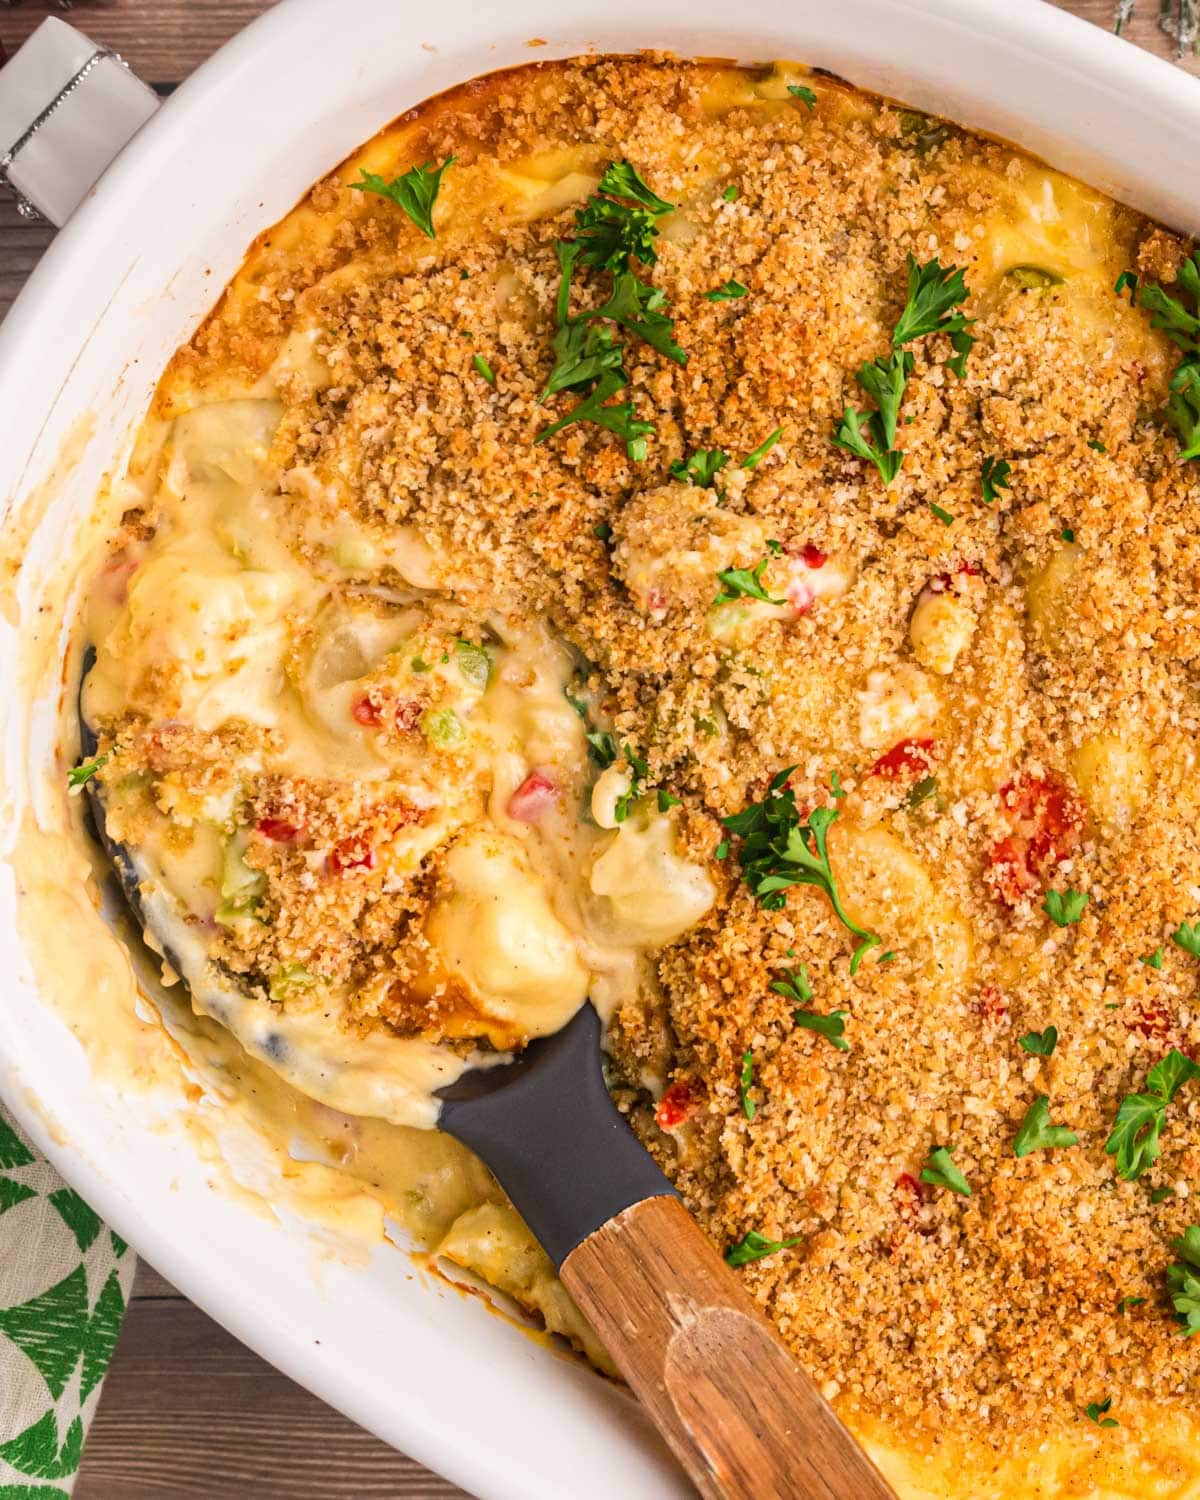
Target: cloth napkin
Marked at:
64, 1283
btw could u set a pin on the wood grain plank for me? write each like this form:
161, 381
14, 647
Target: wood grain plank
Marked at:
188, 1411
162, 40
149, 1286
1142, 29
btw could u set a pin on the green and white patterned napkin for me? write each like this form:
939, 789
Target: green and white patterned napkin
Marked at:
64, 1283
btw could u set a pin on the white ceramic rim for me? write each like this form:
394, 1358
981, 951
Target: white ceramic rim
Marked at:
1018, 68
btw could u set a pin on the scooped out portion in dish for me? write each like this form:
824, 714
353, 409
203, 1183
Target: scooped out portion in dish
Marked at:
721, 544
355, 810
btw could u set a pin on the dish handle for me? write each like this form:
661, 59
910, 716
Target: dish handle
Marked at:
67, 107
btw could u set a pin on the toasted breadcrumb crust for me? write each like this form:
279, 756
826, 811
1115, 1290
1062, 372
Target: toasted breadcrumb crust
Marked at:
997, 1314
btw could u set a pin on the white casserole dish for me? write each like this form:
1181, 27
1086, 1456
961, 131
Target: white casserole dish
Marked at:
123, 285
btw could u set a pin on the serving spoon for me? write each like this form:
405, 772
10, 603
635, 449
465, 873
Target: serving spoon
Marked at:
742, 1417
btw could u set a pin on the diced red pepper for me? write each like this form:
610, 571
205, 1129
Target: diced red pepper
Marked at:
532, 798
909, 759
367, 713
279, 830
1047, 821
992, 1004
812, 556
350, 855
674, 1107
1152, 1021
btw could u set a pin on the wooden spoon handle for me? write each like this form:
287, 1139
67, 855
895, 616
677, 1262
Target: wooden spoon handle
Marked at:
742, 1417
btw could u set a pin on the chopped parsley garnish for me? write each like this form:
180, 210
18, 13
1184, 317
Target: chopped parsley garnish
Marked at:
602, 532
1129, 1302
601, 743
616, 418
415, 191
779, 851
1096, 1413
795, 986
1161, 1194
1135, 1137
727, 292
870, 445
805, 95
941, 1171
1153, 960
639, 774
921, 792
994, 477
484, 369
79, 776
744, 583
1037, 1133
1067, 534
1187, 937
702, 468
617, 225
1183, 1280
1040, 1043
666, 801
933, 291
753, 459
746, 1083
1064, 908
1170, 315
1127, 281
730, 193
943, 516
754, 1246
1097, 446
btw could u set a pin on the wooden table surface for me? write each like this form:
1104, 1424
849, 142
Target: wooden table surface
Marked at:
187, 1410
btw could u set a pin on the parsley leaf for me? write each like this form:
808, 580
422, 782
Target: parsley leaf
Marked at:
611, 234
622, 180
1134, 1139
795, 986
739, 583
778, 851
1041, 1043
1096, 1410
1127, 280
1183, 1280
754, 1246
730, 193
850, 435
602, 744
1170, 315
702, 468
884, 381
1064, 908
746, 1083
921, 792
1153, 960
941, 1171
1037, 1133
994, 477
1187, 937
484, 369
1183, 407
79, 776
617, 418
1128, 1302
752, 460
727, 292
666, 801
943, 516
933, 291
805, 95
415, 191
